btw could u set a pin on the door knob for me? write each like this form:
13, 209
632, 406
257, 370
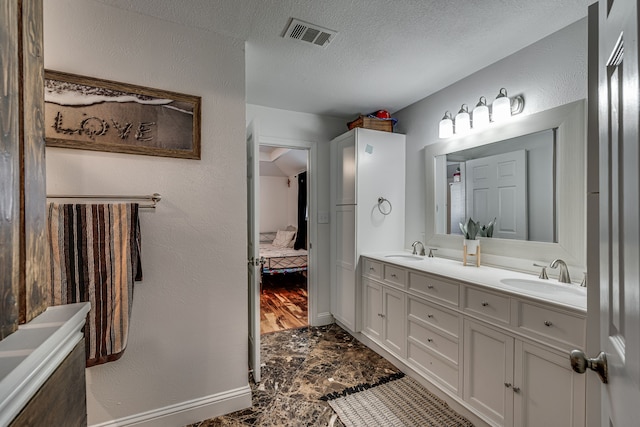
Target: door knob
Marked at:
580, 362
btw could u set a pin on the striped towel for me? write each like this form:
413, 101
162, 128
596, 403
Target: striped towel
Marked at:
95, 257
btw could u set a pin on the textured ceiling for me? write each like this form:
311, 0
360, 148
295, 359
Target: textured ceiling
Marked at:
388, 53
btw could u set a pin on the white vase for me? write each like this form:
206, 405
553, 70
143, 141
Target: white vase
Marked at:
472, 246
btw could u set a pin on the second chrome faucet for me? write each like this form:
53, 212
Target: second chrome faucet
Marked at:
563, 274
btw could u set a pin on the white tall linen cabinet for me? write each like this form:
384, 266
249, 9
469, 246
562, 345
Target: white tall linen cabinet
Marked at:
367, 211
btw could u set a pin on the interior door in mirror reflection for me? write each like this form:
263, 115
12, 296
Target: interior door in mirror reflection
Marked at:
496, 186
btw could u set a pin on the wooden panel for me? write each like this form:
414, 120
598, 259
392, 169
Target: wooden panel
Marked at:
487, 304
569, 330
395, 276
61, 401
432, 315
34, 263
429, 286
372, 269
435, 341
433, 365
9, 168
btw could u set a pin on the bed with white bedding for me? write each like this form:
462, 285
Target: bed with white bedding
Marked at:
278, 255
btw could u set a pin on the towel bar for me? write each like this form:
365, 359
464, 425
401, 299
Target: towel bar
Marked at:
154, 198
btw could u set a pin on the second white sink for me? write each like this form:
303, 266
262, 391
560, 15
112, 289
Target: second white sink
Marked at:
541, 287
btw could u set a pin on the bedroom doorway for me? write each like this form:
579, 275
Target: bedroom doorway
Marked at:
283, 226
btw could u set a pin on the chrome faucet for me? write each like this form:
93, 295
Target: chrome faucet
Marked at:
415, 252
563, 276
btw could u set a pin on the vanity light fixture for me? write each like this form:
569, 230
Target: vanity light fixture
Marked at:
445, 129
480, 114
463, 120
502, 108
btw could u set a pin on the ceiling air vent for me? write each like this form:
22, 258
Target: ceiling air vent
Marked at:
309, 33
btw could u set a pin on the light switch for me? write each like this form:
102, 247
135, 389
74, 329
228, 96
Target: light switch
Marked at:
323, 217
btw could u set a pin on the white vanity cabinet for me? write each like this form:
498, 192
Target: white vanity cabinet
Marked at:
366, 165
384, 315
384, 305
502, 355
516, 382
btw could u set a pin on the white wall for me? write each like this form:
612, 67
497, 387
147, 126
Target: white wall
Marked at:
275, 124
549, 73
274, 203
188, 334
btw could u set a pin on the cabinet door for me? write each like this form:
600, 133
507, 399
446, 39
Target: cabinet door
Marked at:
345, 172
488, 372
394, 324
372, 299
345, 265
546, 390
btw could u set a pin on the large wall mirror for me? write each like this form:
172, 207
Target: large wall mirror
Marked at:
527, 176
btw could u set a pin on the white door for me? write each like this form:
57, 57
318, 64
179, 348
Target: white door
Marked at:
253, 248
619, 210
496, 188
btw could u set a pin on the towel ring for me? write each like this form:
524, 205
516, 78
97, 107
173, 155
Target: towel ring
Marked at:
382, 200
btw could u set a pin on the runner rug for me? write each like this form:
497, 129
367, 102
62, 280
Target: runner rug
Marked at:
397, 402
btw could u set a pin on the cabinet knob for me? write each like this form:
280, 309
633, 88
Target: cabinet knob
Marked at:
429, 286
430, 316
372, 269
516, 389
484, 303
507, 385
547, 323
394, 275
382, 315
429, 339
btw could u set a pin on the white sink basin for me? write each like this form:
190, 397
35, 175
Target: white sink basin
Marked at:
541, 287
404, 257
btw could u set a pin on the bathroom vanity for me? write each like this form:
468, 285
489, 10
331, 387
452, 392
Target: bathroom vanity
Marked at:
496, 341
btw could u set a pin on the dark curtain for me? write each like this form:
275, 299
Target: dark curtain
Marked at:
301, 239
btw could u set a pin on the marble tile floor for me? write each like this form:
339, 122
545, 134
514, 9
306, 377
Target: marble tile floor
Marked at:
300, 366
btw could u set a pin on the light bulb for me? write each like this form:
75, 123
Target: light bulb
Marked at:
462, 121
481, 114
445, 130
501, 107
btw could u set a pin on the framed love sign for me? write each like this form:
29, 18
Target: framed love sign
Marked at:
102, 115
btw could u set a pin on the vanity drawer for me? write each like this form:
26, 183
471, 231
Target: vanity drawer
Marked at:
564, 327
487, 304
434, 316
438, 343
428, 362
435, 288
395, 276
371, 268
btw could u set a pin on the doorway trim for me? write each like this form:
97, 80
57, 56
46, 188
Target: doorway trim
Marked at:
312, 200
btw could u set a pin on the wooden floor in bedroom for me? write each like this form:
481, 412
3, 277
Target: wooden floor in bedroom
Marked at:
283, 302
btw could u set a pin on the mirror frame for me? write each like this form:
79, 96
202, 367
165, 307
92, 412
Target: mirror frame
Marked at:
570, 120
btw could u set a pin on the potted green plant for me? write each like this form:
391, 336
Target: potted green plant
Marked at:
470, 231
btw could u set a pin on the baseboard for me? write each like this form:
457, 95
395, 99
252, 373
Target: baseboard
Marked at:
188, 412
323, 319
